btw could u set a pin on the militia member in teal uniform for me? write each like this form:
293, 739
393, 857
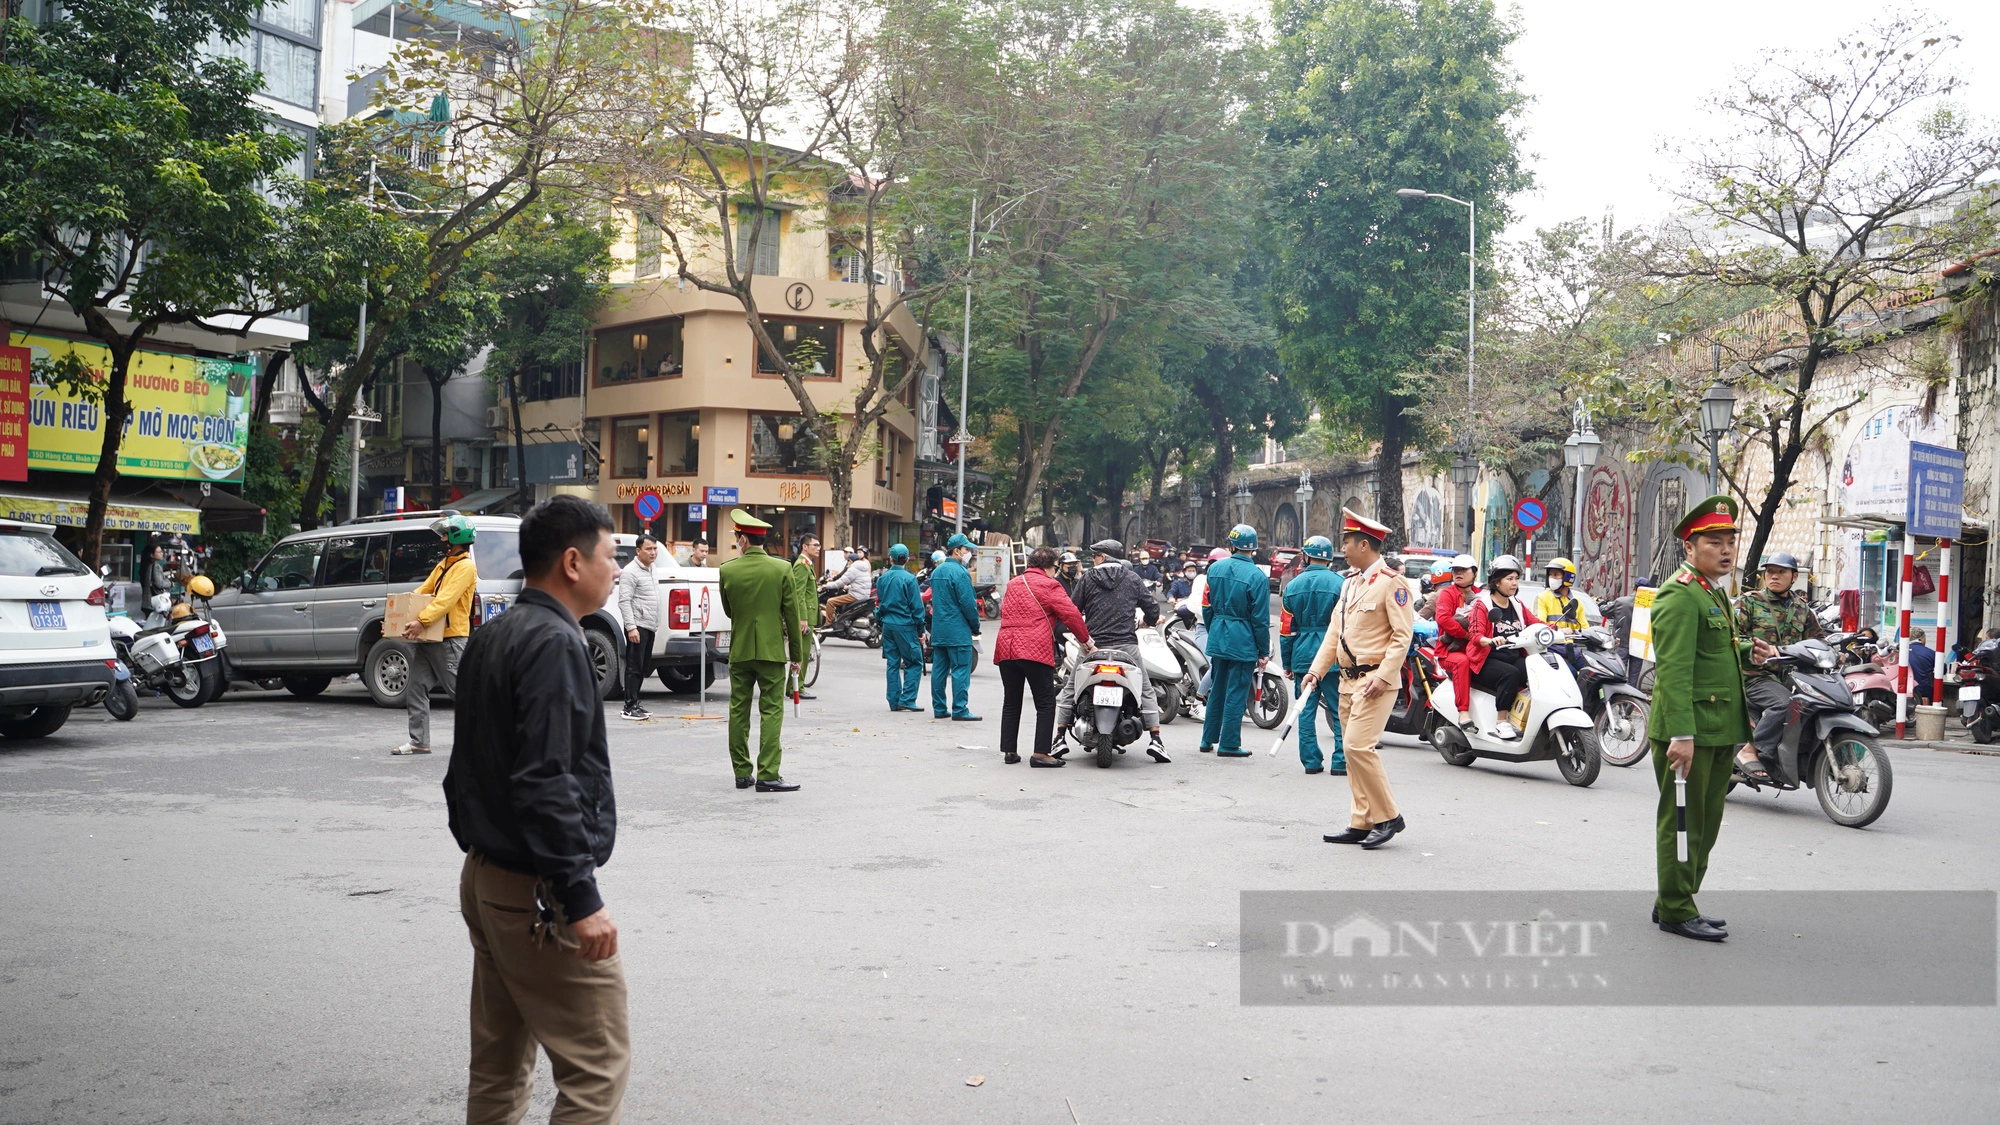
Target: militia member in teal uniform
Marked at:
899, 610
954, 622
1699, 719
1307, 607
764, 644
1237, 609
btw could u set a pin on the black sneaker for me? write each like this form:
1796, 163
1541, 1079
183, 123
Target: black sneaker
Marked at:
1060, 746
1158, 749
635, 713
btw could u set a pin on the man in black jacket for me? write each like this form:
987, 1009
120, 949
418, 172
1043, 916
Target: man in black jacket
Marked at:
529, 797
1112, 598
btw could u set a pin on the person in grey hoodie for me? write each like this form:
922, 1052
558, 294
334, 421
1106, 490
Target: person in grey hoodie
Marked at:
639, 609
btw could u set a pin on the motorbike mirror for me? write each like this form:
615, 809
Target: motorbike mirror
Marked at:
105, 570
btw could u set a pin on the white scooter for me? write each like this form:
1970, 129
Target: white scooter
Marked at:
1553, 723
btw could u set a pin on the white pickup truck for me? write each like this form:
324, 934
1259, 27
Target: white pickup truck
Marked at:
691, 619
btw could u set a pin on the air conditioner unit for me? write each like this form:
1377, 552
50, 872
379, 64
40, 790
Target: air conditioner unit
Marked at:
499, 418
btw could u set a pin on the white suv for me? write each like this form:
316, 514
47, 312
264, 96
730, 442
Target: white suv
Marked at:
55, 647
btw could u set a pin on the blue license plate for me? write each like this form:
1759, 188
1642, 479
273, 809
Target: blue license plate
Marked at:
46, 615
204, 644
495, 609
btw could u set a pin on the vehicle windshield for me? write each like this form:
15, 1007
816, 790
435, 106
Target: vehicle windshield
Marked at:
497, 553
34, 554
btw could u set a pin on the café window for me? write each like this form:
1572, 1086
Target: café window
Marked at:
812, 347
680, 443
631, 443
779, 445
634, 352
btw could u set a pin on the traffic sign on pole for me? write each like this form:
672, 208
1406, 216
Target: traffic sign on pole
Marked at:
697, 513
648, 506
1529, 514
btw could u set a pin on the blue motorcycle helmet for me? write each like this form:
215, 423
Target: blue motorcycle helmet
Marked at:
1318, 547
1242, 537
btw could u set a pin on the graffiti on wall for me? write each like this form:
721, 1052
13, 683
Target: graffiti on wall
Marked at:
1605, 568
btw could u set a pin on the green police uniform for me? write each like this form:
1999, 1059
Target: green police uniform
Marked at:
764, 637
805, 596
1697, 693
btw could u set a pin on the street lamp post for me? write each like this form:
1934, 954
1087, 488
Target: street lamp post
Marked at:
1243, 500
1305, 494
1471, 296
1718, 410
1465, 474
1580, 453
1194, 511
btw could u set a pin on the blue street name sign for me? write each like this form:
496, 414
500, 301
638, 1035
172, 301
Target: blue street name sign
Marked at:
720, 495
1937, 491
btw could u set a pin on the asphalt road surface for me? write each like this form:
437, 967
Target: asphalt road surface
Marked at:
247, 912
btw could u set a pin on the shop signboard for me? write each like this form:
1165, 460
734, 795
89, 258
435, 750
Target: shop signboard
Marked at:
190, 415
14, 413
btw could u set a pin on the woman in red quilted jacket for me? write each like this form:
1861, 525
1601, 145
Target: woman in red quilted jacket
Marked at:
1033, 605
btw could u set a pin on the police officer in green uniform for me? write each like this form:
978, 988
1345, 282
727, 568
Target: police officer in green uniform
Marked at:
805, 594
764, 643
1237, 609
1699, 719
1308, 604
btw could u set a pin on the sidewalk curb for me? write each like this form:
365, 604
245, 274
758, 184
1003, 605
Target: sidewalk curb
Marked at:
1947, 747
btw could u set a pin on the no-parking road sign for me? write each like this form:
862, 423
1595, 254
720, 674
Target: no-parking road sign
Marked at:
1529, 514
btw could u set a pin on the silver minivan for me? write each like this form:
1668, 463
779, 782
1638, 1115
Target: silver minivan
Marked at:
312, 608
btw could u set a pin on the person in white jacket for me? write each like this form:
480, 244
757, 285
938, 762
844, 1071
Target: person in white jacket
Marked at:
639, 609
854, 584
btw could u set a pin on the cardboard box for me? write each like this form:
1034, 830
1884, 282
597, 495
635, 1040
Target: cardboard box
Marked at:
403, 608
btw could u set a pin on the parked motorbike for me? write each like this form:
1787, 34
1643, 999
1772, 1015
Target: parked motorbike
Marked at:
1270, 694
1979, 691
123, 702
1873, 686
1619, 710
158, 662
1548, 713
1827, 743
1106, 718
1410, 716
989, 601
855, 622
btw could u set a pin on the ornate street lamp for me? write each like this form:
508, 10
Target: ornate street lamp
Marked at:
1580, 453
1305, 494
1718, 413
1243, 500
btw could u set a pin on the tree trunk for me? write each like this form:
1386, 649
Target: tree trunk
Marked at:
267, 379
1389, 471
1218, 481
116, 412
437, 439
1149, 516
339, 407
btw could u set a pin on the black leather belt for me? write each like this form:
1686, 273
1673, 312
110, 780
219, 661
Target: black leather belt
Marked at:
1357, 671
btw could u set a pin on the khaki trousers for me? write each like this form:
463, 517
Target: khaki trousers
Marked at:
1361, 722
527, 992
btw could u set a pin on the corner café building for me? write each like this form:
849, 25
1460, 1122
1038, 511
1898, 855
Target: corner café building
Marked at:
180, 464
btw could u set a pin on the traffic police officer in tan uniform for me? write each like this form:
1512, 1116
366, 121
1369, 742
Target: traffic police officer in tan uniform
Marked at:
1367, 641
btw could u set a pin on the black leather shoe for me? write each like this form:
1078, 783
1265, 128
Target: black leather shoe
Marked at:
966, 719
1316, 769
777, 785
1049, 763
744, 783
1382, 834
1694, 928
1350, 836
1011, 758
1716, 922
1337, 771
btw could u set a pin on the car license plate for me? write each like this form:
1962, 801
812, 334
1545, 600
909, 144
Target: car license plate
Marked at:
1108, 695
46, 615
495, 609
204, 644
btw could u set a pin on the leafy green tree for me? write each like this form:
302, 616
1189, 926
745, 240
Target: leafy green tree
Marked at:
1369, 291
1106, 142
569, 103
138, 176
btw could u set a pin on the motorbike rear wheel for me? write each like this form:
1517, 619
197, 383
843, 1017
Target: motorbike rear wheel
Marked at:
1578, 755
188, 685
1169, 696
1107, 748
1621, 729
1271, 703
1451, 744
1853, 780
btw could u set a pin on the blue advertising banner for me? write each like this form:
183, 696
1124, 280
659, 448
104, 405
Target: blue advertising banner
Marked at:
1937, 492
